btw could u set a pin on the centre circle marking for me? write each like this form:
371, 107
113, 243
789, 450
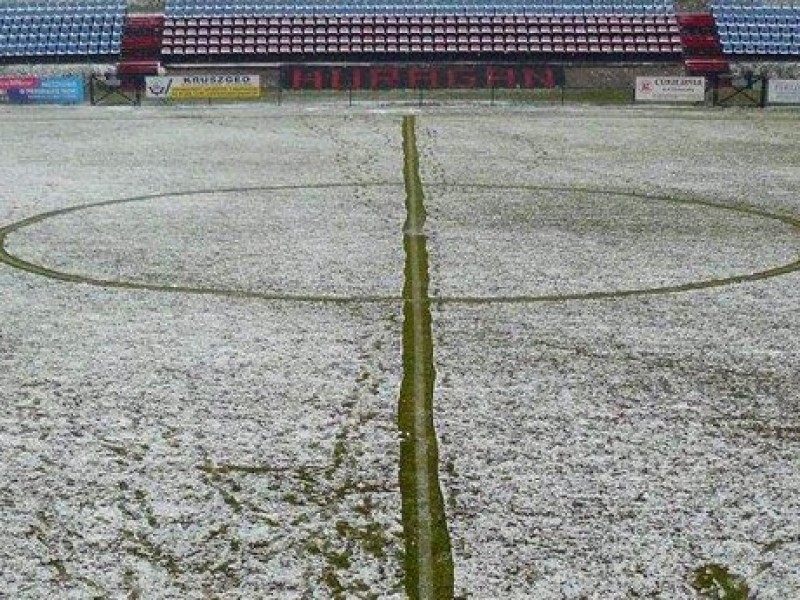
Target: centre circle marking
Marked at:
749, 211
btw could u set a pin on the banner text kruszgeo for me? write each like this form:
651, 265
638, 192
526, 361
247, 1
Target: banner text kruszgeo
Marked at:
204, 87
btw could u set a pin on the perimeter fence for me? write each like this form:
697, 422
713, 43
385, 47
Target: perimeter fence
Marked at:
502, 85
418, 85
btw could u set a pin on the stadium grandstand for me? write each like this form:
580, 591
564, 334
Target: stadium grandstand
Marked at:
361, 30
280, 31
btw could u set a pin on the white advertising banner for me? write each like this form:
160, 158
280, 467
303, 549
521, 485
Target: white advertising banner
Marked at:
201, 87
783, 91
671, 89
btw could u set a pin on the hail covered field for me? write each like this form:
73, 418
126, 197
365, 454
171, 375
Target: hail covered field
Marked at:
491, 353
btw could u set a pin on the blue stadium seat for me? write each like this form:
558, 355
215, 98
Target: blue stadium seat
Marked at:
43, 28
764, 28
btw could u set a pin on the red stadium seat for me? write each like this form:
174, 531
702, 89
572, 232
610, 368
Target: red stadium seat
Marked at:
429, 33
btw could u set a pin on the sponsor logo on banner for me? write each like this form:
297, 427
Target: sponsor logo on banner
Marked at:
45, 90
671, 89
784, 91
409, 76
204, 87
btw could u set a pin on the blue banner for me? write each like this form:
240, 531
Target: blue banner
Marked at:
49, 90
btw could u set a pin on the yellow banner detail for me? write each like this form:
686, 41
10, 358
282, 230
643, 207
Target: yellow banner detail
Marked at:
214, 92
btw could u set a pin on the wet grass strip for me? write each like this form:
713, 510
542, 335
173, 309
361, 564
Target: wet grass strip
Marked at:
428, 557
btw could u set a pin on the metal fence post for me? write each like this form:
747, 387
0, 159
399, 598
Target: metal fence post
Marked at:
714, 90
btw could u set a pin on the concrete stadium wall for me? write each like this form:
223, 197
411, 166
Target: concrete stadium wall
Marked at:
586, 75
615, 76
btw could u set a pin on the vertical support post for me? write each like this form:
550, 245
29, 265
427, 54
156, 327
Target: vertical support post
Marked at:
714, 89
348, 74
764, 91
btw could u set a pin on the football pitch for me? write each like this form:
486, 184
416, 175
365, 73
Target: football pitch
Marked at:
382, 352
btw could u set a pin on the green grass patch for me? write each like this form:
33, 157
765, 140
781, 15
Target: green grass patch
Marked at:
716, 582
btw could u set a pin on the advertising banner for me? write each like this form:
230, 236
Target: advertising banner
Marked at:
428, 76
783, 91
204, 87
42, 90
12, 82
670, 89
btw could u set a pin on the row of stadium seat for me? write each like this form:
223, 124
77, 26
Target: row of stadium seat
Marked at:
480, 7
664, 43
754, 9
62, 20
463, 29
463, 23
752, 28
74, 27
582, 6
761, 34
72, 5
398, 50
61, 10
38, 49
541, 20
31, 4
415, 48
579, 6
188, 8
380, 30
762, 49
727, 19
25, 28
63, 38
64, 34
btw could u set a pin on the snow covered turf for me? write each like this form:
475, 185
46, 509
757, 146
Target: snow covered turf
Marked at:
219, 445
